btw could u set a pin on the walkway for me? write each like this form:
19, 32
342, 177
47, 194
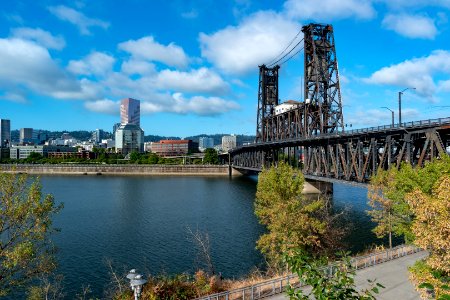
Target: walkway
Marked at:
393, 275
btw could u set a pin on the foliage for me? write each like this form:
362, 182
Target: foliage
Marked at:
433, 283
431, 225
25, 226
211, 157
387, 192
337, 284
291, 220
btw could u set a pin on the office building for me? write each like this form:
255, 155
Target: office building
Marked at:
129, 138
130, 111
115, 126
98, 135
205, 143
22, 152
228, 142
173, 147
5, 133
28, 136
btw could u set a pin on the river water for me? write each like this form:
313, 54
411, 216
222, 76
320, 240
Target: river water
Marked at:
143, 222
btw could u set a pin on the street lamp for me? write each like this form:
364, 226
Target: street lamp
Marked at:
392, 112
136, 283
400, 104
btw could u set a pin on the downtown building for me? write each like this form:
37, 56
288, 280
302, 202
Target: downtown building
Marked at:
228, 142
5, 133
129, 136
173, 147
205, 143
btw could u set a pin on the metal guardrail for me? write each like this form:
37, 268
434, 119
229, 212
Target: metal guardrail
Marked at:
278, 285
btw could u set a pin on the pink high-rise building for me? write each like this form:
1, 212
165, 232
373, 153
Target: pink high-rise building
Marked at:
130, 111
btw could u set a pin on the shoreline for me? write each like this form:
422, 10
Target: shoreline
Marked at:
121, 170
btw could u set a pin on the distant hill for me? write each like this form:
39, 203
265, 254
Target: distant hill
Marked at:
81, 135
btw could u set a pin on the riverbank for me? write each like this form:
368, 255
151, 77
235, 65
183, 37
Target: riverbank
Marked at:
105, 169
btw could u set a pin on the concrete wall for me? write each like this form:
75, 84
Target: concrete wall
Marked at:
117, 169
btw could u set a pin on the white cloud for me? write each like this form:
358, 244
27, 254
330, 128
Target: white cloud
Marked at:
328, 10
202, 80
192, 14
402, 4
78, 19
28, 65
206, 106
378, 117
257, 40
416, 73
411, 26
147, 48
444, 85
40, 36
139, 67
103, 106
96, 63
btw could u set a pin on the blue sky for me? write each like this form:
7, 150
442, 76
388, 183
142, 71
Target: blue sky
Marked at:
65, 65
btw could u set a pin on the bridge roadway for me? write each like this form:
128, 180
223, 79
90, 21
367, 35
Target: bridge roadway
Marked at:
351, 156
393, 275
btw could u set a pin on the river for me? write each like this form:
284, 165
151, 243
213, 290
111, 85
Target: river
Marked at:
142, 222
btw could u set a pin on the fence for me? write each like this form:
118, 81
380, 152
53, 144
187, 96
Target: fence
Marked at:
279, 285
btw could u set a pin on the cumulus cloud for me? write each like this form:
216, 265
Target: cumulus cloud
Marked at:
40, 36
147, 48
416, 73
139, 67
206, 106
103, 106
27, 64
329, 9
411, 26
377, 117
77, 18
202, 80
96, 63
240, 49
444, 86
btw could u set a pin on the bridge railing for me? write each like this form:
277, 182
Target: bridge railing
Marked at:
279, 285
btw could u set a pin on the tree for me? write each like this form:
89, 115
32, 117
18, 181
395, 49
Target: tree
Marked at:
211, 156
26, 252
387, 191
326, 282
291, 220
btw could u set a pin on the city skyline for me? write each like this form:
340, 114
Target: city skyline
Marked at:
67, 66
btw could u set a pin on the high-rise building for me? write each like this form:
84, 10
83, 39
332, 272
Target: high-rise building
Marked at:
115, 126
5, 133
130, 111
98, 135
228, 142
27, 135
129, 138
205, 143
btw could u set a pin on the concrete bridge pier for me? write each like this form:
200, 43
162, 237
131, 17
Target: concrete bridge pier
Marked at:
317, 186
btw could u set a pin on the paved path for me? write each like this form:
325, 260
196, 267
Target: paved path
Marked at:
393, 275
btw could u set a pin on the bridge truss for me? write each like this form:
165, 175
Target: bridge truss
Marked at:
351, 156
311, 135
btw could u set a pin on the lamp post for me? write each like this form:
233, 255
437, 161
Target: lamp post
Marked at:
136, 283
392, 112
400, 104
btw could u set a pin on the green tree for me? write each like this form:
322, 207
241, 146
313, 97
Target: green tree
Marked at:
291, 220
34, 157
26, 252
388, 189
211, 157
336, 282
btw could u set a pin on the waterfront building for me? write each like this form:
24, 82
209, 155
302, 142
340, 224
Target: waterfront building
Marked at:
173, 147
205, 143
28, 136
130, 111
22, 152
5, 133
228, 142
115, 126
98, 135
129, 138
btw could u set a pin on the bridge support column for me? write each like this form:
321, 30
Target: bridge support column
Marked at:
322, 186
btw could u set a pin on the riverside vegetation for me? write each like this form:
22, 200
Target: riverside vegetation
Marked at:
409, 202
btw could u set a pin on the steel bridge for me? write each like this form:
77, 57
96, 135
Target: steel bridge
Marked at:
310, 134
